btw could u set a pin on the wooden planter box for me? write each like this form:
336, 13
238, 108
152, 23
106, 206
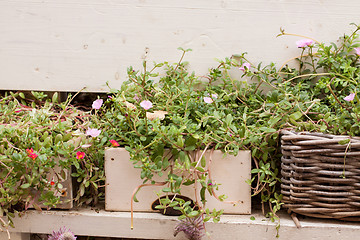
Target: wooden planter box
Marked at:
230, 171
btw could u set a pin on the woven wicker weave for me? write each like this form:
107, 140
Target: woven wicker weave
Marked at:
320, 177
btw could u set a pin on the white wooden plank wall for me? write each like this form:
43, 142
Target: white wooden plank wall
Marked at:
70, 44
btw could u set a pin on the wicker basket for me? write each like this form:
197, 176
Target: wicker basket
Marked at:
320, 177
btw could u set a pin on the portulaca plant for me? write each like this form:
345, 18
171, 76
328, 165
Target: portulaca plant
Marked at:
37, 136
154, 114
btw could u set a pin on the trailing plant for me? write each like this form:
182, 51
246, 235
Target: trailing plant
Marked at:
166, 121
167, 117
316, 91
40, 135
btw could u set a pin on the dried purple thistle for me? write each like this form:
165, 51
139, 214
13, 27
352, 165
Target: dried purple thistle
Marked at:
62, 234
192, 227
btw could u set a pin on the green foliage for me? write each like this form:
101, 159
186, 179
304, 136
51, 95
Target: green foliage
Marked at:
34, 140
189, 115
167, 117
307, 94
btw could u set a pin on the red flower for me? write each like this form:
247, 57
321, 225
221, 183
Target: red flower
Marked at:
31, 153
80, 155
52, 183
33, 156
114, 143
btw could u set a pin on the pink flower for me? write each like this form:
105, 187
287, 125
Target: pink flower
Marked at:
350, 97
80, 155
208, 99
63, 233
97, 104
93, 132
357, 50
304, 42
114, 143
146, 104
245, 66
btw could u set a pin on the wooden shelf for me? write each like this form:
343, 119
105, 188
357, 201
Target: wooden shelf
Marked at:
89, 222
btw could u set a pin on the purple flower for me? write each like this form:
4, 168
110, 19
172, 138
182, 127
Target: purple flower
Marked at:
93, 132
146, 104
357, 50
245, 66
192, 227
62, 234
304, 42
97, 104
350, 97
208, 99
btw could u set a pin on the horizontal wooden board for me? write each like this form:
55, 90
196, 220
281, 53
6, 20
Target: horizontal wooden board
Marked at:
67, 45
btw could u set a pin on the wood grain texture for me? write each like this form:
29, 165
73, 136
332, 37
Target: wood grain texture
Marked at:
67, 45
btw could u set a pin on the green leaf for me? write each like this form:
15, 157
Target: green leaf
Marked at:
200, 169
193, 214
273, 121
82, 190
25, 185
344, 141
190, 148
267, 130
296, 115
160, 207
58, 138
182, 156
203, 162
173, 204
252, 218
229, 119
188, 182
55, 97
202, 193
164, 201
196, 136
166, 189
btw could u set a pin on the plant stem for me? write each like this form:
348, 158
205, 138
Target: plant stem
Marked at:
133, 195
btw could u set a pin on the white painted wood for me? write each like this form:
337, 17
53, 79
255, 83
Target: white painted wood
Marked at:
231, 172
67, 45
88, 222
15, 236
